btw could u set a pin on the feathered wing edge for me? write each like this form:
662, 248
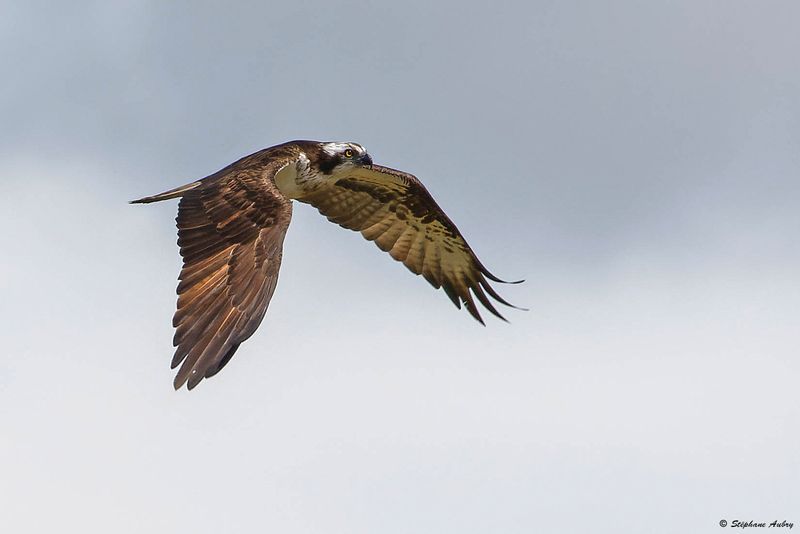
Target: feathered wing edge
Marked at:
346, 203
167, 195
478, 286
231, 227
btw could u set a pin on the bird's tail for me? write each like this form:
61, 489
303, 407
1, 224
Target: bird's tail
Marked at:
166, 195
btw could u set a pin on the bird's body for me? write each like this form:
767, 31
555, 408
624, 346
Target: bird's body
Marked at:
231, 227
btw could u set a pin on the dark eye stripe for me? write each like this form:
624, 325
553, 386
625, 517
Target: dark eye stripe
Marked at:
327, 164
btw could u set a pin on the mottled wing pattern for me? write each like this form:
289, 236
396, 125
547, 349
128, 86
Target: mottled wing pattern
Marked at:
393, 209
230, 232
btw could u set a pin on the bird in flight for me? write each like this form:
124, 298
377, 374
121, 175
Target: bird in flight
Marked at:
231, 227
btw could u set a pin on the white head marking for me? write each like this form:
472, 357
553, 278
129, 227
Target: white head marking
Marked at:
337, 148
334, 148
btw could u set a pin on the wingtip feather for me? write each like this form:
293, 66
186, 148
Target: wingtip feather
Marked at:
482, 268
166, 195
476, 288
178, 384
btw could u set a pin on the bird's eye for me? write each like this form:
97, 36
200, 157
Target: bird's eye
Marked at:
348, 153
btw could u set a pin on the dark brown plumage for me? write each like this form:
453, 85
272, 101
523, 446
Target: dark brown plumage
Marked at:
231, 227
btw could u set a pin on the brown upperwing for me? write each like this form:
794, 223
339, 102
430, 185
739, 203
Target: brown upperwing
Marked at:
230, 231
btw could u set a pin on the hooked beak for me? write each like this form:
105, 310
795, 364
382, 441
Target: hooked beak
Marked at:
366, 159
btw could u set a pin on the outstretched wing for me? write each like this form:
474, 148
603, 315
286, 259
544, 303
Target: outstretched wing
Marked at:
393, 209
230, 231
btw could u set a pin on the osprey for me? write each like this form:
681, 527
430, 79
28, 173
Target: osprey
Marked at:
231, 227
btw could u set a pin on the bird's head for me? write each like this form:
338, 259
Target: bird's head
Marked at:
319, 163
334, 158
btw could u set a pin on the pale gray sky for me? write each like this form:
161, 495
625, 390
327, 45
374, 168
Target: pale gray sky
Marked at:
636, 162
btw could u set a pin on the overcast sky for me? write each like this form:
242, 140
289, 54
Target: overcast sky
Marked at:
638, 163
